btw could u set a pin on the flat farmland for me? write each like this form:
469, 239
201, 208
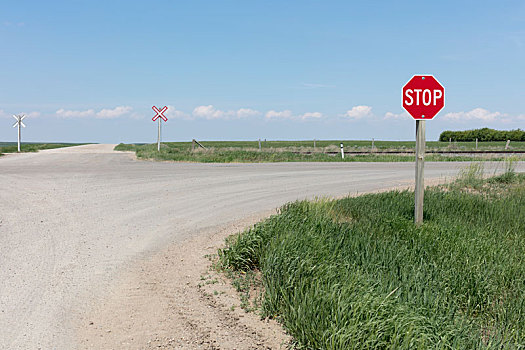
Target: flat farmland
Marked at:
324, 151
352, 144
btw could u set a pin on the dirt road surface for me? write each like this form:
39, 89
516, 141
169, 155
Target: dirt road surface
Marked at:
99, 250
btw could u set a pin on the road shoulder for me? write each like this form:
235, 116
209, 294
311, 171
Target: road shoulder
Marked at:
174, 300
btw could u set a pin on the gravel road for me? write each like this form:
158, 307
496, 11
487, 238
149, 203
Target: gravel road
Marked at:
72, 219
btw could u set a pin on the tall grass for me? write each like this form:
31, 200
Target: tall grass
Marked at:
357, 273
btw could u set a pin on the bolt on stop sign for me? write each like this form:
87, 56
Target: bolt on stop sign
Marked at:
423, 97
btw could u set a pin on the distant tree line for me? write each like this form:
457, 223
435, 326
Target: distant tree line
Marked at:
484, 134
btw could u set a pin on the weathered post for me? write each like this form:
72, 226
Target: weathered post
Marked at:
420, 167
193, 145
506, 146
259, 145
476, 143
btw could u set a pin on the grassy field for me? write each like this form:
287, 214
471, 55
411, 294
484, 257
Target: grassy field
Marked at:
356, 273
12, 147
349, 145
294, 151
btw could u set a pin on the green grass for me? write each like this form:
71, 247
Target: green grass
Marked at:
350, 145
12, 147
356, 273
286, 151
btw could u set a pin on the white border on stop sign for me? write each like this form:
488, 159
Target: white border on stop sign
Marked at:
402, 97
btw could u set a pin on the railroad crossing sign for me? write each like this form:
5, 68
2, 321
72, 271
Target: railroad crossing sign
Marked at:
160, 116
19, 123
160, 113
423, 97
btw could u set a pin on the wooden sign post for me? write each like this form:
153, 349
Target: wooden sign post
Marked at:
422, 97
420, 169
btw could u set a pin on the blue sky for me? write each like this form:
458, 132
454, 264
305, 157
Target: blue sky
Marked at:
89, 71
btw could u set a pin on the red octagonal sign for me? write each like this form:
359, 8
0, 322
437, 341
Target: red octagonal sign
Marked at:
423, 97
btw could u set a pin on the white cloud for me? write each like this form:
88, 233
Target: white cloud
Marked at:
74, 114
399, 116
34, 114
173, 113
358, 112
247, 112
105, 113
113, 113
475, 114
311, 115
210, 112
286, 114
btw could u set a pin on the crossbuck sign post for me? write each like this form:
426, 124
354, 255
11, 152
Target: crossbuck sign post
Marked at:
422, 97
19, 123
159, 116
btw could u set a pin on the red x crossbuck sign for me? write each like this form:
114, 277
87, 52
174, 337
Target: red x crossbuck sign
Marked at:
160, 113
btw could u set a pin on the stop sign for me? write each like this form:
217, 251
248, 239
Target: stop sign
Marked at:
423, 97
